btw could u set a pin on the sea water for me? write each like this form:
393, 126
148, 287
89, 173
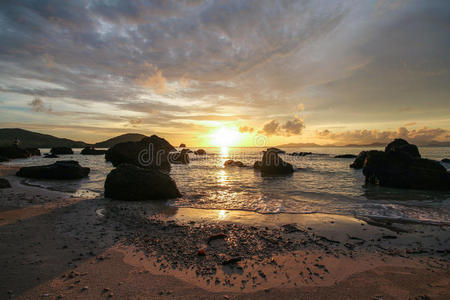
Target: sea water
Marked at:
321, 183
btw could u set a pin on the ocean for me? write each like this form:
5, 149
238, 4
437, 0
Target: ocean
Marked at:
320, 184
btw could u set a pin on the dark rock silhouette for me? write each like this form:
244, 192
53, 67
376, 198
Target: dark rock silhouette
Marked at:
14, 152
300, 153
345, 156
3, 158
4, 183
257, 165
276, 150
132, 183
50, 155
34, 151
445, 160
358, 163
64, 169
150, 152
181, 157
182, 145
200, 152
398, 169
61, 150
402, 146
272, 164
92, 151
233, 163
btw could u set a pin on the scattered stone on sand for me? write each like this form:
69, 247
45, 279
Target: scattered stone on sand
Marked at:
61, 150
64, 169
216, 237
132, 183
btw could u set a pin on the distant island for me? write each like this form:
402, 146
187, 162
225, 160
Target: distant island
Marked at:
30, 139
312, 145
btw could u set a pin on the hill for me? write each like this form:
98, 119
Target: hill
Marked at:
128, 137
34, 139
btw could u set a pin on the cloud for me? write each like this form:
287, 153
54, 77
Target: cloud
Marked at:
246, 129
289, 128
419, 136
153, 78
38, 105
293, 127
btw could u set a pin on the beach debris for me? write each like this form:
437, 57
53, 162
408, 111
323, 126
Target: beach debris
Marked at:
216, 237
232, 260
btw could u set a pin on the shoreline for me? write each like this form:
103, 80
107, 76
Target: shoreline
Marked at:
80, 248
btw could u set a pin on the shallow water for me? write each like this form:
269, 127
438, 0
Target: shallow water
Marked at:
321, 183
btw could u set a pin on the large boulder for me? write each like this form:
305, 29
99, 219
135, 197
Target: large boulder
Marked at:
272, 164
398, 169
200, 152
61, 150
14, 152
132, 183
4, 183
358, 163
402, 146
3, 158
150, 152
257, 165
445, 160
92, 151
181, 157
34, 151
64, 169
233, 163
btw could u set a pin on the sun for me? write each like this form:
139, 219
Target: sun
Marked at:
226, 137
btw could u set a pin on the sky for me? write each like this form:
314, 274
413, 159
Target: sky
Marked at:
244, 73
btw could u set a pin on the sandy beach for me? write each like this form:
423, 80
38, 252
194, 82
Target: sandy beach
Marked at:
56, 246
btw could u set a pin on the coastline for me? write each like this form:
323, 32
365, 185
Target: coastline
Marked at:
54, 244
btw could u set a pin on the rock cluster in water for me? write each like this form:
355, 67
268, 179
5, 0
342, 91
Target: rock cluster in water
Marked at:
61, 150
233, 163
92, 151
273, 164
142, 170
401, 166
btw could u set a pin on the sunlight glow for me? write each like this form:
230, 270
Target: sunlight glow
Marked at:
226, 137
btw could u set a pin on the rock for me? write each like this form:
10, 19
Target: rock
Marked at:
64, 169
272, 164
402, 146
50, 155
14, 152
132, 183
232, 163
445, 160
398, 169
276, 150
92, 151
4, 183
200, 152
182, 146
257, 165
358, 163
345, 156
300, 153
150, 152
34, 151
181, 157
61, 150
3, 158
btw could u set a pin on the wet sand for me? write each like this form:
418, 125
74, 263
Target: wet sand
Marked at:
56, 246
